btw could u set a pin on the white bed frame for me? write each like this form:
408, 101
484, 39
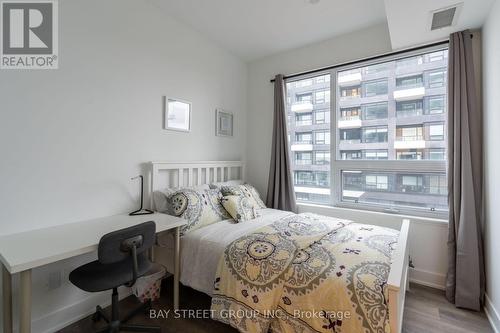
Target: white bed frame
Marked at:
177, 174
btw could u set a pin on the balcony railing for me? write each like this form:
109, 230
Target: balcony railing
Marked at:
410, 138
409, 113
303, 122
347, 118
350, 141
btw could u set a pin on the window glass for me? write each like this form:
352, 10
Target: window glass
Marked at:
303, 119
310, 148
382, 128
436, 104
322, 137
436, 131
409, 81
375, 88
375, 134
436, 79
375, 111
303, 158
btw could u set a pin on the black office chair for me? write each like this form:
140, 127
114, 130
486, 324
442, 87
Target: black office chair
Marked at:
122, 258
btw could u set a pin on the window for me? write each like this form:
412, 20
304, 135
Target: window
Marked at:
438, 56
436, 132
312, 178
322, 137
303, 119
322, 79
378, 68
409, 108
436, 104
350, 91
375, 134
409, 82
436, 79
311, 161
409, 133
376, 182
375, 88
350, 113
375, 154
322, 157
303, 137
410, 61
375, 111
303, 158
436, 154
350, 154
373, 149
351, 135
322, 96
304, 178
322, 117
303, 97
409, 154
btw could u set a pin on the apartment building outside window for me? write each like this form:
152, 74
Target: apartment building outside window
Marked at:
368, 125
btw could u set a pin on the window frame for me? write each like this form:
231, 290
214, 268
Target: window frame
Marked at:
337, 165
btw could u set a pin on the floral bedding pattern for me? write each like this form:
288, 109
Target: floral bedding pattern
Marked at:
306, 273
239, 208
246, 190
200, 207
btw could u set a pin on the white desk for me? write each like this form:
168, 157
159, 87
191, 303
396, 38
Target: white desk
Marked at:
20, 253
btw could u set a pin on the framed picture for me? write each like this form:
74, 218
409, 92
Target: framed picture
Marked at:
224, 123
177, 115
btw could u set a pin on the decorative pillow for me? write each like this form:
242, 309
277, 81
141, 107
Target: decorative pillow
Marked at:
161, 201
198, 207
240, 208
235, 182
247, 191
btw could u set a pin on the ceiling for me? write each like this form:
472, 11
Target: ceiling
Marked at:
410, 20
253, 29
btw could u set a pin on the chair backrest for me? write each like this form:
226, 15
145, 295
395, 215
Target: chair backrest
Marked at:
116, 245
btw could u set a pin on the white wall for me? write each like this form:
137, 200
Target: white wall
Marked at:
427, 237
491, 107
70, 139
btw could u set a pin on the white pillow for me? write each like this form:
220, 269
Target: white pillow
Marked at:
160, 198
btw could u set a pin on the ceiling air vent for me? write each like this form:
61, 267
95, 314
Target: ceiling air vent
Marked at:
443, 18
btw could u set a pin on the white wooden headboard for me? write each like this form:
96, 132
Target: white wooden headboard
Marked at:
177, 174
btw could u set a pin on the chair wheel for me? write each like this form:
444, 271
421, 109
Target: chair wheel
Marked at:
96, 317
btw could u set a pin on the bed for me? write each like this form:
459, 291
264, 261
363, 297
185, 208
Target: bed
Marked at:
202, 250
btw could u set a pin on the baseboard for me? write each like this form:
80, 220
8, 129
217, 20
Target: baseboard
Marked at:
70, 314
492, 314
428, 279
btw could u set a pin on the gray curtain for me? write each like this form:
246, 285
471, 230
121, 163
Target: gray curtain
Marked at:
465, 278
280, 191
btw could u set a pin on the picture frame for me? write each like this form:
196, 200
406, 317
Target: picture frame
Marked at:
177, 114
223, 123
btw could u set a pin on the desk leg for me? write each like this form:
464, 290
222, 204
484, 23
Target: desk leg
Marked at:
177, 265
7, 300
25, 300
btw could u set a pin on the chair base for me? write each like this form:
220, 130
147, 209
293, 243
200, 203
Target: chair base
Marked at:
116, 325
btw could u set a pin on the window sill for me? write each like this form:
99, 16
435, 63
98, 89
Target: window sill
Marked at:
361, 214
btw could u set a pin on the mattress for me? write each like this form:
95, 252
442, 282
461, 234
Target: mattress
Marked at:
201, 249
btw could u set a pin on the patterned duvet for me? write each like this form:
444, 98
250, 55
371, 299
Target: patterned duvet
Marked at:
306, 273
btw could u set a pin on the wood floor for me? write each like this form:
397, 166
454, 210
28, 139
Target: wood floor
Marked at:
426, 311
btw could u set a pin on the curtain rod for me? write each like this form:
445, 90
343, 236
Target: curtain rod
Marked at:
365, 59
